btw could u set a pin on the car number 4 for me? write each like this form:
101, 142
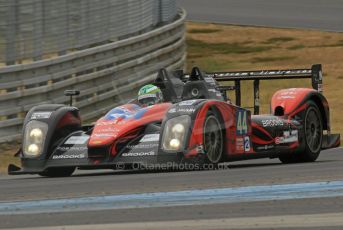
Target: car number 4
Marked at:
242, 122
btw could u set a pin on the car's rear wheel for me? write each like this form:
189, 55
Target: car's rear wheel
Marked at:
313, 129
213, 140
313, 137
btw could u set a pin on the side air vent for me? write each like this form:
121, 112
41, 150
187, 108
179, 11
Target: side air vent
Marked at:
279, 111
98, 152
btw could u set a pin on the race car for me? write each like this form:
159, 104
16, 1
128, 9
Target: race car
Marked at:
195, 124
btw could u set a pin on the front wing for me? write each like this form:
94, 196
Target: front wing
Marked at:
73, 152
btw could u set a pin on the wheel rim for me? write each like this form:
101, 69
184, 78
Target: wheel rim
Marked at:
213, 139
313, 130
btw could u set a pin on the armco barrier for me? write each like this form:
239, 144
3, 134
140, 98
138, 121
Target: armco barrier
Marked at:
107, 75
36, 29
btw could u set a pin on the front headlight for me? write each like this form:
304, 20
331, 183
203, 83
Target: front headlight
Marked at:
34, 137
174, 133
178, 128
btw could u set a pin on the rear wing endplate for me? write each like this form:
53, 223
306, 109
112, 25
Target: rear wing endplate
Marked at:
315, 73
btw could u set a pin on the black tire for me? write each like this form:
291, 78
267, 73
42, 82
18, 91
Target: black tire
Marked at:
313, 133
213, 140
58, 172
313, 137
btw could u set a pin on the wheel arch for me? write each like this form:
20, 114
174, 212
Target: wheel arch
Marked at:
216, 111
324, 111
218, 114
290, 102
61, 119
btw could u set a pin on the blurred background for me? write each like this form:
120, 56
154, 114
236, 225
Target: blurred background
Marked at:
105, 48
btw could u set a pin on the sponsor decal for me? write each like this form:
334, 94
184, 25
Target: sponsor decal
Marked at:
265, 147
41, 115
138, 154
172, 110
103, 123
272, 122
183, 109
200, 149
189, 102
105, 135
286, 97
106, 131
241, 122
143, 146
209, 80
239, 144
76, 140
69, 156
288, 137
246, 144
288, 94
109, 129
291, 91
320, 87
150, 137
72, 148
189, 109
263, 73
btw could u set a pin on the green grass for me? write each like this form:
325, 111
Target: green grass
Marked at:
204, 31
271, 59
301, 46
198, 47
296, 47
336, 44
279, 39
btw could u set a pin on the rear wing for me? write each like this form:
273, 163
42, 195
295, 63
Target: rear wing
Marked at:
315, 73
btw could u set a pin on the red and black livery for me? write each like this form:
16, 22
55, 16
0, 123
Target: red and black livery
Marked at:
195, 124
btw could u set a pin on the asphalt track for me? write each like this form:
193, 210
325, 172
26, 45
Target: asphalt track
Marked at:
312, 14
289, 212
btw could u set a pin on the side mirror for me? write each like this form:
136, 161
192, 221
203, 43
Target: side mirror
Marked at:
71, 93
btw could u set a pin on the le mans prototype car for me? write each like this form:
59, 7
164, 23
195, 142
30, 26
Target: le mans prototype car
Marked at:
195, 123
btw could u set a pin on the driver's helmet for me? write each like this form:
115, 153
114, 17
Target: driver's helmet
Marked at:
150, 95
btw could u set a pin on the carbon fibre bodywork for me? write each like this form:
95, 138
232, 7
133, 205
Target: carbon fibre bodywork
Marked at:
131, 134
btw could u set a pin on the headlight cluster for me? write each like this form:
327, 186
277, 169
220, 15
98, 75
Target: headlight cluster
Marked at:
34, 137
174, 133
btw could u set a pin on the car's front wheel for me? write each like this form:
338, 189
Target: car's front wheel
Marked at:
58, 172
213, 140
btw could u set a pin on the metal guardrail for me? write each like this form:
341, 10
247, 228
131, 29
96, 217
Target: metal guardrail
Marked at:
106, 75
32, 30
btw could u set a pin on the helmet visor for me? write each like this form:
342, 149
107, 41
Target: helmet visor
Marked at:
148, 100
